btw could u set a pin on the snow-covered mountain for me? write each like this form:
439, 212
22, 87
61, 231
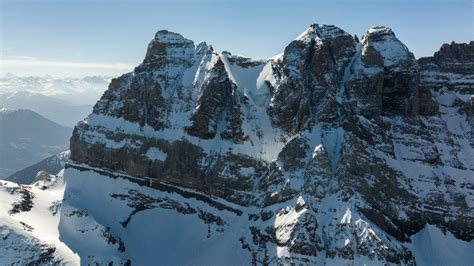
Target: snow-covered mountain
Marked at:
336, 151
27, 138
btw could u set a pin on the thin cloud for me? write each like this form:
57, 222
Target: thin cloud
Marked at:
32, 62
21, 57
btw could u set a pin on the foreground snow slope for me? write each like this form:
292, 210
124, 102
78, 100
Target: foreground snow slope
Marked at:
140, 224
29, 219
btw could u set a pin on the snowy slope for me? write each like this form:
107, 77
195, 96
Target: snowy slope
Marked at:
80, 230
29, 223
431, 246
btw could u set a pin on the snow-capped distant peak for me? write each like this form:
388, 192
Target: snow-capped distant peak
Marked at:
9, 75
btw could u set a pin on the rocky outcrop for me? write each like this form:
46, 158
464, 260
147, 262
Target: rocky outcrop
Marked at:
453, 58
451, 67
334, 149
399, 86
218, 103
449, 75
308, 75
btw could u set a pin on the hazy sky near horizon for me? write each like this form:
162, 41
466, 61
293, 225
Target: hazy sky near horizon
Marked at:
78, 38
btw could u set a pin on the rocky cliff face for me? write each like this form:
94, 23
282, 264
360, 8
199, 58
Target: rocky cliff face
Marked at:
334, 150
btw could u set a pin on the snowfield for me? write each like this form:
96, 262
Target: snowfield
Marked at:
29, 221
78, 218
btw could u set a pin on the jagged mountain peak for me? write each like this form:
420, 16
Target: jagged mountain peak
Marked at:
203, 47
320, 32
381, 31
385, 42
169, 45
165, 36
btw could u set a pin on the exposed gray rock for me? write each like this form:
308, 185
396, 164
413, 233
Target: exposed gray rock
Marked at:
349, 149
453, 57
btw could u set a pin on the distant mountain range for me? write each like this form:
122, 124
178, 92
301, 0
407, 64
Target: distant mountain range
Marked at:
77, 91
52, 165
57, 110
27, 138
64, 101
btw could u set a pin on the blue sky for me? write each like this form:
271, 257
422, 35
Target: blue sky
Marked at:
77, 38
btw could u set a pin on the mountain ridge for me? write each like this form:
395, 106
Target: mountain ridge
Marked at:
53, 164
336, 151
314, 89
26, 137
